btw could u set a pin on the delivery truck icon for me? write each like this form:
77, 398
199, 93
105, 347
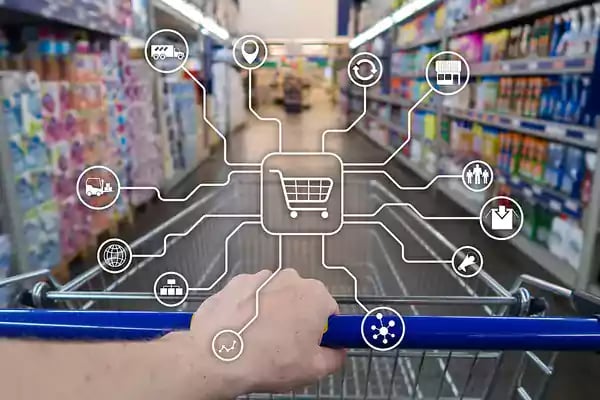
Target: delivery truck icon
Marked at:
162, 52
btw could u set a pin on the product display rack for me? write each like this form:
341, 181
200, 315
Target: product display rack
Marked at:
101, 24
90, 15
585, 274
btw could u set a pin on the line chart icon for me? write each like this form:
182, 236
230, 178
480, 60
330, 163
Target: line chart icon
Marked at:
227, 345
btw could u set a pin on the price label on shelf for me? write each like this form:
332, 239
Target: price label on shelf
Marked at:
532, 66
555, 205
538, 4
572, 205
537, 190
591, 137
556, 130
528, 192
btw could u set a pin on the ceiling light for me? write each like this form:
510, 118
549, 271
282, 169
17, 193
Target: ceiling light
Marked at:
404, 12
194, 14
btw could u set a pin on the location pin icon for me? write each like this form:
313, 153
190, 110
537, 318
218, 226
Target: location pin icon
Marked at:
250, 57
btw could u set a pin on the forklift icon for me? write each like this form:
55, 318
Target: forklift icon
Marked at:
97, 187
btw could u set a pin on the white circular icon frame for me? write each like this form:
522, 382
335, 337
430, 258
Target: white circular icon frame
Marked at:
181, 64
490, 183
465, 83
521, 219
373, 312
465, 249
101, 261
241, 42
237, 335
118, 190
181, 301
351, 75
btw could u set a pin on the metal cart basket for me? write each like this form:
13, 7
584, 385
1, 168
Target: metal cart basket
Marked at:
454, 348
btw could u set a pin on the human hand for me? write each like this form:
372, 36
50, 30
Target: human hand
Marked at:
281, 347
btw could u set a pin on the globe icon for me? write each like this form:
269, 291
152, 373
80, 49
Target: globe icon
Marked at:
115, 256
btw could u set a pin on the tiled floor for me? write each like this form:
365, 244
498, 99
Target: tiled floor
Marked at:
302, 132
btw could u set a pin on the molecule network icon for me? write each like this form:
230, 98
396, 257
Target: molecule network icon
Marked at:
383, 331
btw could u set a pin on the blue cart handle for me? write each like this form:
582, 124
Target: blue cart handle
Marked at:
342, 331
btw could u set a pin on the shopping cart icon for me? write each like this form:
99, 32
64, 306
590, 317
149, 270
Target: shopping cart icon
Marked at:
305, 193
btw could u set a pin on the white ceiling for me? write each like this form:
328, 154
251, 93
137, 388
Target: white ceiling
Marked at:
288, 19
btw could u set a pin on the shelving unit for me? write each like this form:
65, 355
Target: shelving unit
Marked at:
82, 14
534, 66
576, 135
587, 273
127, 105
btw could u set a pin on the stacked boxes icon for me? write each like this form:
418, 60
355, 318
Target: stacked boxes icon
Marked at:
171, 289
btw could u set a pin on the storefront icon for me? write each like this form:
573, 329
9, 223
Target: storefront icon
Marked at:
448, 72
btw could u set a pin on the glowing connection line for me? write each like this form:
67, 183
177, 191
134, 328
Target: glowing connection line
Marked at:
200, 186
413, 208
265, 283
348, 129
397, 240
214, 128
431, 183
226, 257
346, 270
190, 229
406, 141
278, 121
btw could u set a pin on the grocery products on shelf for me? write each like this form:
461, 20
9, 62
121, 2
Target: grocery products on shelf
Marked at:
571, 33
145, 142
412, 61
180, 107
31, 165
561, 98
424, 26
528, 111
110, 17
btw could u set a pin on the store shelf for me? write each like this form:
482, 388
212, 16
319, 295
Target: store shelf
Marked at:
428, 39
535, 66
407, 162
572, 134
409, 75
555, 200
520, 9
82, 14
402, 102
542, 256
413, 166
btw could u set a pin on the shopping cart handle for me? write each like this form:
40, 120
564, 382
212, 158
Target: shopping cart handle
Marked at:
343, 331
585, 304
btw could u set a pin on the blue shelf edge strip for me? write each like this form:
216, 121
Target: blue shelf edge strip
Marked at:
555, 129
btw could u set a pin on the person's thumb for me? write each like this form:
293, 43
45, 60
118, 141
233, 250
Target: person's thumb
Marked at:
328, 361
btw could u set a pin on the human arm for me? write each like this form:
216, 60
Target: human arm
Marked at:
281, 352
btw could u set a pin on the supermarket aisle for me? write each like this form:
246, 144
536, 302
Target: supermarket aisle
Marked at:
302, 132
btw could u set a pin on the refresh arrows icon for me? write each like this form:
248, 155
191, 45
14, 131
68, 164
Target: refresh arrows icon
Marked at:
371, 64
365, 69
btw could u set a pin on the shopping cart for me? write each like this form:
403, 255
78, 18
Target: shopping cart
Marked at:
457, 331
305, 193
